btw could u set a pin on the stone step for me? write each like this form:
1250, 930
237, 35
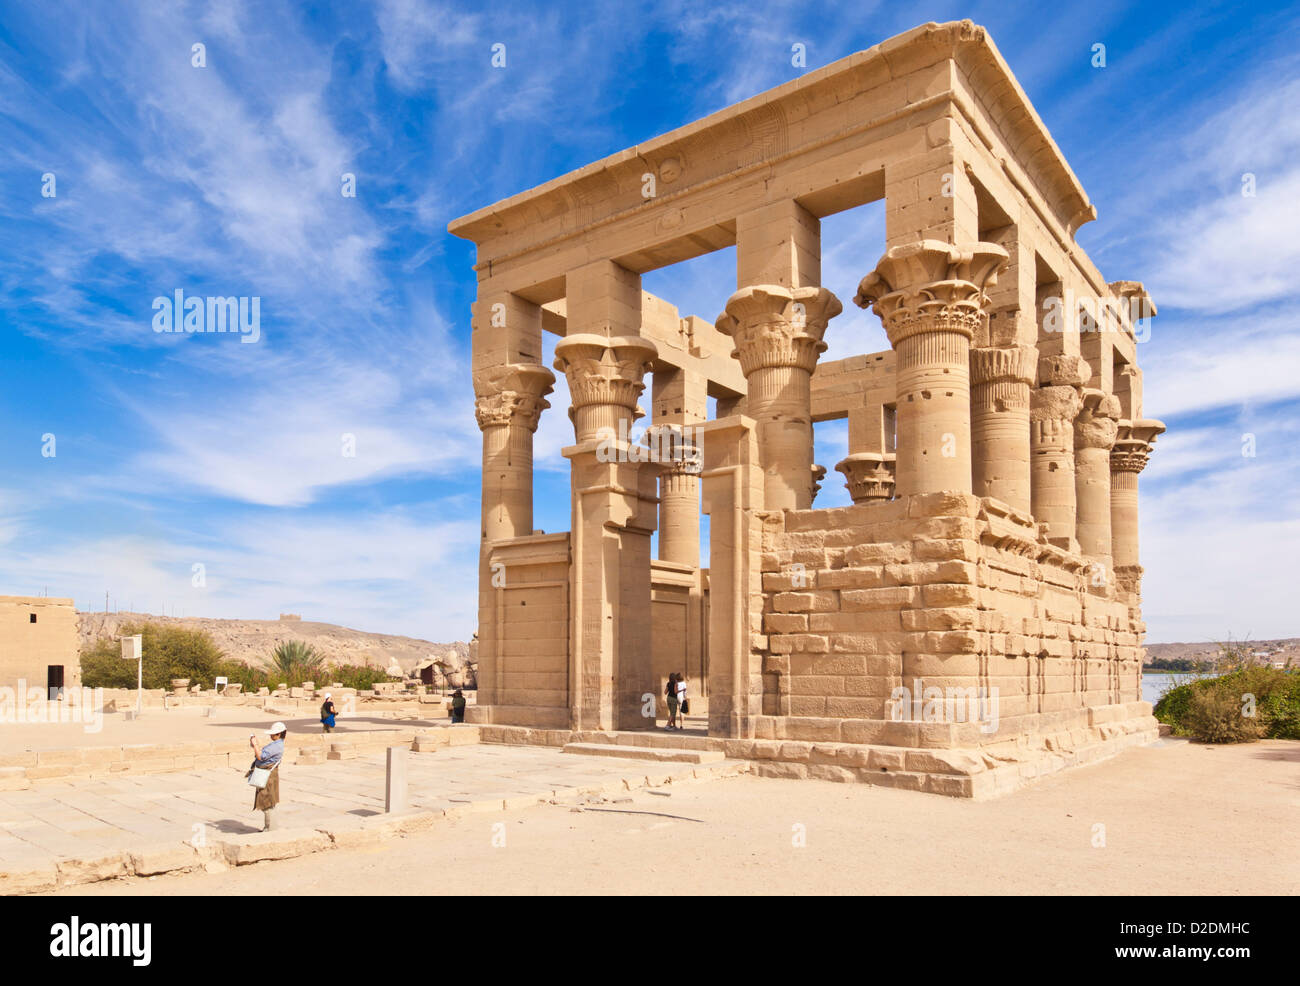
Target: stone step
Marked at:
644, 753
655, 738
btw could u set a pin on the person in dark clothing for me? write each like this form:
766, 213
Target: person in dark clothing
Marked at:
458, 706
327, 713
670, 695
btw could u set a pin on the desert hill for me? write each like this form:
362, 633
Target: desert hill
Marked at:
1206, 651
252, 641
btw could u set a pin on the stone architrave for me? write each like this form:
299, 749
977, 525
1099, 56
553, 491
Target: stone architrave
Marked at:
1095, 429
868, 475
1054, 404
778, 337
1000, 381
930, 296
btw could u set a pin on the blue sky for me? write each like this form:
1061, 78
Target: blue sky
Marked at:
181, 450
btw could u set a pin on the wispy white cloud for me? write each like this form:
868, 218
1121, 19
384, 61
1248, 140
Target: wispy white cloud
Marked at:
394, 573
1233, 252
1199, 364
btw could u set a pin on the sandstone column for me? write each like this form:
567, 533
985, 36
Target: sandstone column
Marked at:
613, 500
1053, 407
681, 404
1127, 460
778, 334
679, 493
510, 386
1095, 429
1000, 382
930, 298
509, 402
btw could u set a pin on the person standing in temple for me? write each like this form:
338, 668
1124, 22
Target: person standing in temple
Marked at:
682, 706
327, 713
670, 695
458, 706
269, 758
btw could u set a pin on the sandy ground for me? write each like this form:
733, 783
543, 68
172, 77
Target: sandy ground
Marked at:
1179, 818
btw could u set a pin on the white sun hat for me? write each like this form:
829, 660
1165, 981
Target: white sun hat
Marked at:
277, 727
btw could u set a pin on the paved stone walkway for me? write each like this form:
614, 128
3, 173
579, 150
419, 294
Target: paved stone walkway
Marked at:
84, 818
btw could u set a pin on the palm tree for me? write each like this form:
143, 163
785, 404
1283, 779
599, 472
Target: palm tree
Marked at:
292, 657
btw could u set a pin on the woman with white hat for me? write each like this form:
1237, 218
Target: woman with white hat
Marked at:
268, 758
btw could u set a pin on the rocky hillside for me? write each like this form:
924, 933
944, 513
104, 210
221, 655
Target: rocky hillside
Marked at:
252, 641
1203, 651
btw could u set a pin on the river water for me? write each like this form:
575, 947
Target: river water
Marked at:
1155, 685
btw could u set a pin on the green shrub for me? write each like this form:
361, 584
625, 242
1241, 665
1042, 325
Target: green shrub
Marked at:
169, 652
1213, 710
295, 662
1215, 715
1173, 705
174, 652
357, 676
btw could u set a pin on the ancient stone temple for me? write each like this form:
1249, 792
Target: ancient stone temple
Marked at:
974, 619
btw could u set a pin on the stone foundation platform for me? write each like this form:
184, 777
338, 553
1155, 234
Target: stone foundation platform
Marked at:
978, 772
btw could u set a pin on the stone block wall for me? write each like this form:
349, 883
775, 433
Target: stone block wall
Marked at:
531, 629
951, 591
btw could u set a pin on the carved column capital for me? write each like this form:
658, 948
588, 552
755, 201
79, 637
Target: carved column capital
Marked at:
1133, 446
513, 393
1055, 404
774, 326
1129, 456
995, 364
605, 376
675, 447
932, 286
818, 474
1097, 423
1052, 411
868, 475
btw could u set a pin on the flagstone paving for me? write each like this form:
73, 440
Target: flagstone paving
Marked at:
81, 818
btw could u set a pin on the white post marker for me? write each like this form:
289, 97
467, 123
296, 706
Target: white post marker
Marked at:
133, 649
396, 793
